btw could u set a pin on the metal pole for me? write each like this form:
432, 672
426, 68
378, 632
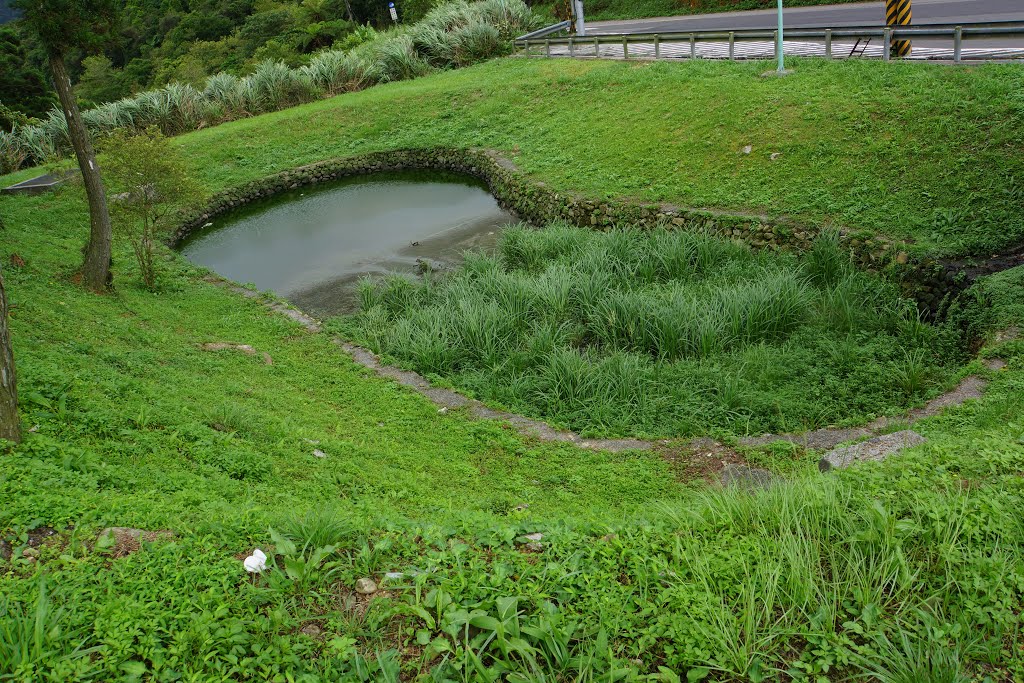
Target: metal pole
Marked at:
828, 43
732, 45
572, 47
597, 48
693, 47
547, 47
657, 46
581, 26
958, 43
886, 44
779, 46
625, 48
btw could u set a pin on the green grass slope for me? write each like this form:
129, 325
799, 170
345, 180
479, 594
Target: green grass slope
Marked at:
927, 153
912, 568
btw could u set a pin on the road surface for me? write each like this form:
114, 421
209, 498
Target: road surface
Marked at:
854, 14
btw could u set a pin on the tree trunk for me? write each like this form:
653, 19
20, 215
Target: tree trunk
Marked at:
96, 268
10, 427
348, 8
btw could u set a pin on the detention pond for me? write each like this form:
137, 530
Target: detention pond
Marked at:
312, 245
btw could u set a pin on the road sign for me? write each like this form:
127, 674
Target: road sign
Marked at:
394, 12
897, 13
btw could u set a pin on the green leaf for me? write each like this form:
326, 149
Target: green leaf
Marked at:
698, 673
485, 622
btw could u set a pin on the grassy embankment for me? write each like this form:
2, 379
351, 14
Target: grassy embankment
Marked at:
912, 563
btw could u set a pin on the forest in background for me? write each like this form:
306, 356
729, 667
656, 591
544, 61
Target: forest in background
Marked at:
162, 41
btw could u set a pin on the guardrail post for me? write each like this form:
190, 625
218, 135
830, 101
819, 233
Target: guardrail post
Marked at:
828, 43
547, 47
657, 46
958, 43
572, 47
693, 46
625, 47
597, 48
732, 45
886, 44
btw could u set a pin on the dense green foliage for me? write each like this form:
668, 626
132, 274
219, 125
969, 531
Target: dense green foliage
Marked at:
659, 334
186, 41
455, 35
911, 569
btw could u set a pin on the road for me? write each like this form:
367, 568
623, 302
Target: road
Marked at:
853, 14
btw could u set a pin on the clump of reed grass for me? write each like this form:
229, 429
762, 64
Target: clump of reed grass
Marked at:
661, 332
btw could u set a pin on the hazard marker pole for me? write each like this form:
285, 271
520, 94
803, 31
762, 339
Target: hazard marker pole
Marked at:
897, 13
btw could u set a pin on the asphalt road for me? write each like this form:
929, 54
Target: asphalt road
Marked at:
854, 14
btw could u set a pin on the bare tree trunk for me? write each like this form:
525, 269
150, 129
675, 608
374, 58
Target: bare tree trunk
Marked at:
348, 8
96, 268
10, 426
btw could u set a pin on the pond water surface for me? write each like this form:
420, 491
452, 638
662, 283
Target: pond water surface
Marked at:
313, 244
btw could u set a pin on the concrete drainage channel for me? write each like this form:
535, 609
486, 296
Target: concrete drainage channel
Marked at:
876, 448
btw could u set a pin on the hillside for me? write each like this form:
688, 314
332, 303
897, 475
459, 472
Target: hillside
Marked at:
910, 569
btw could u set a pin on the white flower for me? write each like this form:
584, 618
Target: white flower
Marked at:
257, 562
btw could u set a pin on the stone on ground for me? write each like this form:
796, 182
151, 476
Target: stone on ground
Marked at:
878, 448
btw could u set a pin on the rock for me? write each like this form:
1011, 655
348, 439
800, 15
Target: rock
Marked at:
317, 453
775, 155
366, 586
533, 537
534, 547
746, 477
312, 630
878, 448
748, 149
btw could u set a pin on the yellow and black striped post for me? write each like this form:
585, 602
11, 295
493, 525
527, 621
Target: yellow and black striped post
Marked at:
897, 13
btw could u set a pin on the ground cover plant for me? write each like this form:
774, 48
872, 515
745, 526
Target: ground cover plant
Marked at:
663, 333
907, 570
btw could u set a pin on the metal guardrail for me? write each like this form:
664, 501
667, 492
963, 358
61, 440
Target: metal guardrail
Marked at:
957, 34
546, 31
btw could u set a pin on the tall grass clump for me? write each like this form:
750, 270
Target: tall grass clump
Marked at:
452, 35
660, 333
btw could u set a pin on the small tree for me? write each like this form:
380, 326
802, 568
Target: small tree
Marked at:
10, 426
151, 179
62, 26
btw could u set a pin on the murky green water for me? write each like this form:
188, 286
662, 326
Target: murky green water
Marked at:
313, 244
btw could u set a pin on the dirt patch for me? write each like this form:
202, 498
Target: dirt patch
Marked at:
34, 539
699, 459
124, 541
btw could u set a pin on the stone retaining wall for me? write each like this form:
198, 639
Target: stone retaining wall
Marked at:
928, 281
